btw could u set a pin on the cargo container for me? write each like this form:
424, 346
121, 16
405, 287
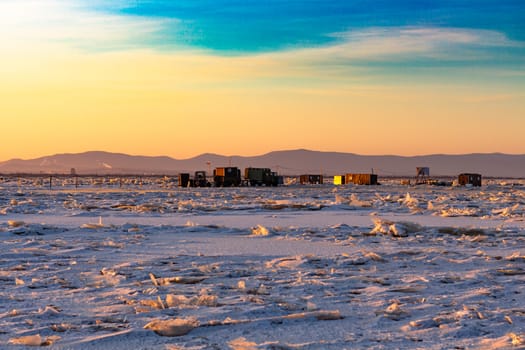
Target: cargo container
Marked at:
339, 180
361, 179
227, 177
468, 179
261, 176
219, 171
311, 179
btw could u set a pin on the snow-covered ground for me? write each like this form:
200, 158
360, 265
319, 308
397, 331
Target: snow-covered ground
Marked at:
153, 266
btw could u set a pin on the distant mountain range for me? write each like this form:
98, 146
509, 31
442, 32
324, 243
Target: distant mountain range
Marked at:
294, 162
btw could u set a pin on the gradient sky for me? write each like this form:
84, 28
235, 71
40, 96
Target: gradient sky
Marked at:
184, 77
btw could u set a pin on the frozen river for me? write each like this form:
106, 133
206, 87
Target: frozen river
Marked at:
294, 267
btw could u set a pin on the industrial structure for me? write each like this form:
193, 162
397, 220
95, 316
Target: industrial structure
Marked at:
361, 179
199, 180
311, 179
469, 179
231, 176
422, 175
227, 177
262, 176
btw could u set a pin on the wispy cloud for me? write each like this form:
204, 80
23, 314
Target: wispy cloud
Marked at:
367, 55
392, 44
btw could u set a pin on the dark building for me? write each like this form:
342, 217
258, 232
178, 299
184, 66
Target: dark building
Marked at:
227, 177
277, 179
184, 180
361, 179
422, 175
469, 179
311, 179
199, 180
261, 176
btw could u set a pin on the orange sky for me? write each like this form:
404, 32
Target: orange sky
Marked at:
62, 98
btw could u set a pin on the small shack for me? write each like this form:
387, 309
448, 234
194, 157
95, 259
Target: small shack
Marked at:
361, 179
184, 180
469, 179
311, 179
339, 180
422, 175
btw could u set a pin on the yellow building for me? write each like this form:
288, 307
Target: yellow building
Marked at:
339, 180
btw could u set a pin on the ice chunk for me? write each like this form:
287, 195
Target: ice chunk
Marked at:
260, 230
396, 229
173, 328
14, 223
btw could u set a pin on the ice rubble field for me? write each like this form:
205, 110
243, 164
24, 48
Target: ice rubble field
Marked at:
295, 267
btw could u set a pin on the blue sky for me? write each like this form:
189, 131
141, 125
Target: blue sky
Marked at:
254, 26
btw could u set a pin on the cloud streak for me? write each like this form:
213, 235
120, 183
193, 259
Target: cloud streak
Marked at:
384, 50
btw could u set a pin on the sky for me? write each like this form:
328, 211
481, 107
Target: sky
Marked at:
243, 77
